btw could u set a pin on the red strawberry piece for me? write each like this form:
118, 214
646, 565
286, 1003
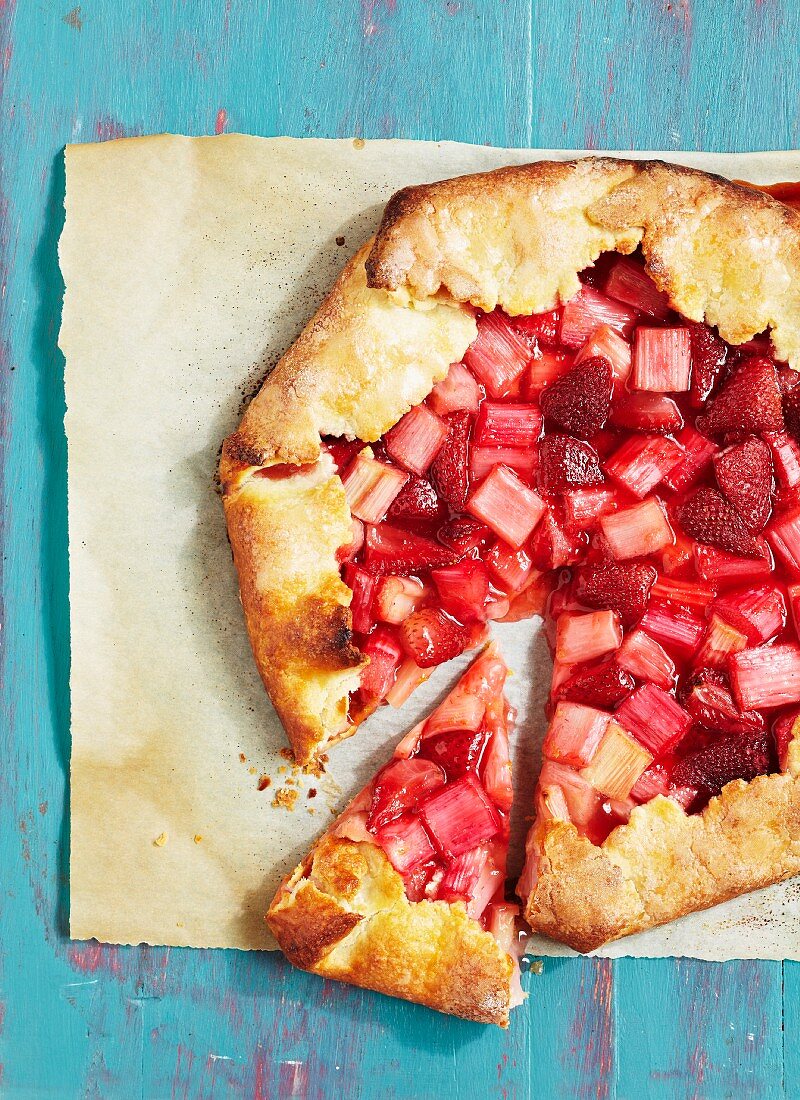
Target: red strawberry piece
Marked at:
458, 752
622, 587
431, 637
545, 328
708, 517
791, 413
707, 697
463, 533
580, 401
450, 470
600, 686
394, 550
551, 547
566, 463
399, 787
708, 359
749, 403
744, 474
787, 381
726, 759
420, 882
417, 502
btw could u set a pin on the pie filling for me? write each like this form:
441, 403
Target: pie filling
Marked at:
636, 480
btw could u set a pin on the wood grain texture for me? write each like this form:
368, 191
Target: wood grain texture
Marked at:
86, 1020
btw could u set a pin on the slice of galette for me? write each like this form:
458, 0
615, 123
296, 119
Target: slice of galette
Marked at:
406, 892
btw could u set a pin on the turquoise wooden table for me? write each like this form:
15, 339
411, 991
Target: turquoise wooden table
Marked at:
95, 1021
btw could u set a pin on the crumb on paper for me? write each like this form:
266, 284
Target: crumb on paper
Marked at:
251, 770
316, 767
358, 143
242, 758
179, 924
287, 754
285, 797
312, 792
340, 241
197, 838
264, 782
537, 967
160, 840
282, 770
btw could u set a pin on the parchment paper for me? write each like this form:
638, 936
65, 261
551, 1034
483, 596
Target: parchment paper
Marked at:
190, 265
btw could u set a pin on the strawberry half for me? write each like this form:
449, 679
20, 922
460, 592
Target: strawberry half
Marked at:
431, 637
748, 403
728, 758
417, 502
393, 550
602, 686
617, 587
566, 463
744, 474
449, 472
456, 751
545, 328
708, 359
580, 401
707, 697
708, 517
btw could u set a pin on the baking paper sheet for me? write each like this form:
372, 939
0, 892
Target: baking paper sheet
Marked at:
190, 265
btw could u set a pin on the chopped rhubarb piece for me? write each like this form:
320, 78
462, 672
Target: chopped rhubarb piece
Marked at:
417, 504
653, 781
628, 282
463, 589
689, 594
459, 817
415, 440
617, 764
744, 474
552, 547
642, 656
584, 637
430, 637
406, 843
784, 538
674, 627
574, 734
409, 677
397, 597
749, 403
385, 653
499, 355
708, 359
766, 677
456, 752
662, 360
643, 461
457, 391
522, 460
785, 731
400, 787
708, 700
507, 505
720, 641
583, 507
715, 565
363, 585
545, 368
449, 471
708, 517
728, 758
347, 553
510, 569
622, 588
567, 463
608, 344
496, 762
507, 425
464, 534
587, 311
698, 452
543, 327
601, 686
760, 613
461, 712
646, 412
580, 402
461, 878
654, 717
392, 550
575, 791
637, 531
786, 456
371, 486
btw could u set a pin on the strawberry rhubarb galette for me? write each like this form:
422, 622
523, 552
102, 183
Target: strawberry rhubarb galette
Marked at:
562, 389
406, 892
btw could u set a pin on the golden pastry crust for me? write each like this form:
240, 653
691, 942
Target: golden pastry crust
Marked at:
664, 863
403, 310
344, 914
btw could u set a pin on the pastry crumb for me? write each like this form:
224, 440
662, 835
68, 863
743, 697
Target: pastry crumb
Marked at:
252, 770
264, 782
358, 143
316, 767
312, 792
287, 754
340, 241
242, 758
197, 838
160, 840
282, 770
537, 967
285, 797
